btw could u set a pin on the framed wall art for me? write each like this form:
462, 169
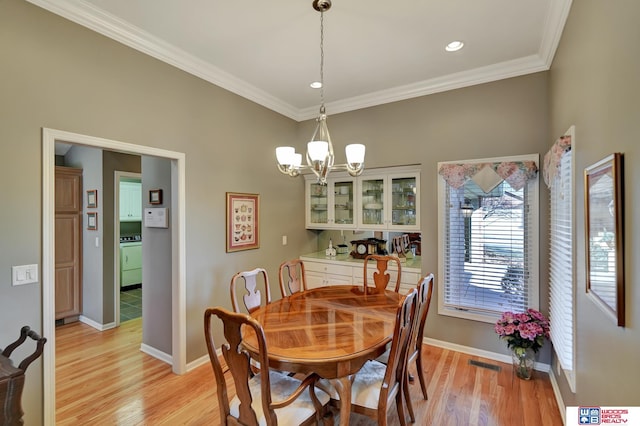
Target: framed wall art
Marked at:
243, 225
92, 221
604, 221
155, 196
92, 199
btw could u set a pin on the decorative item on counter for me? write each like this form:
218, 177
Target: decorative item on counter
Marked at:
359, 249
331, 252
342, 249
524, 333
398, 247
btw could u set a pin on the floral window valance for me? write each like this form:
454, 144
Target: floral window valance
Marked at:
552, 158
489, 175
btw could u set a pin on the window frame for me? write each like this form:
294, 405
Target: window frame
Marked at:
532, 241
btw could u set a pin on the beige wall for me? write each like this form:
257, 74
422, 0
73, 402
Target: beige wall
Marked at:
595, 85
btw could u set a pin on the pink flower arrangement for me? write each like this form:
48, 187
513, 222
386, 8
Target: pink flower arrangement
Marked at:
523, 330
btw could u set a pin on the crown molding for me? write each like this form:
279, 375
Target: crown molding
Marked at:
91, 17
514, 68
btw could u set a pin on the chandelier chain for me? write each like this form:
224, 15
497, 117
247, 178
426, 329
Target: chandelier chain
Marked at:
322, 61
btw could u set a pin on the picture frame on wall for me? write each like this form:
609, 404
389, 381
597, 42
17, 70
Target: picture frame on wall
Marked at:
92, 221
604, 222
92, 199
155, 196
243, 223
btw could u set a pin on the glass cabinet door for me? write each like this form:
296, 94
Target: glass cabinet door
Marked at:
404, 201
343, 193
372, 201
318, 204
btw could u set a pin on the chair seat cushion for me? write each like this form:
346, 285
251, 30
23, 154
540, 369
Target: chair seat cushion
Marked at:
365, 389
281, 387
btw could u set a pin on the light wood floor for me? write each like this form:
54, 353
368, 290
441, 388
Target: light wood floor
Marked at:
102, 378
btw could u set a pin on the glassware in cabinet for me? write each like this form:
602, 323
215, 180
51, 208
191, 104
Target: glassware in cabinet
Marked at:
318, 201
372, 201
404, 192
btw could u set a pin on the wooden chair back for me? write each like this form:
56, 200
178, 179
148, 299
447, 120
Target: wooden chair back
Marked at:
292, 277
381, 277
238, 362
239, 410
393, 382
253, 296
424, 289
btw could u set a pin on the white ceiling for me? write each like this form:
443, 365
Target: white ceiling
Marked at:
375, 52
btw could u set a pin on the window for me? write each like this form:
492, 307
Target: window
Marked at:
559, 177
488, 221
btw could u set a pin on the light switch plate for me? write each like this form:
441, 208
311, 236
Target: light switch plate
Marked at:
24, 274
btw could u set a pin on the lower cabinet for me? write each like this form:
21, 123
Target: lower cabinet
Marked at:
335, 272
130, 264
323, 274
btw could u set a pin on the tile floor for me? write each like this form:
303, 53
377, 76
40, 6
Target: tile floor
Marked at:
130, 304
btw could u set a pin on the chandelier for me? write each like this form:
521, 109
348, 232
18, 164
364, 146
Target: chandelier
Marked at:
320, 157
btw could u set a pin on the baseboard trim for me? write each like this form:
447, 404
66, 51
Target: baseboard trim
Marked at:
481, 353
162, 356
96, 325
197, 363
558, 395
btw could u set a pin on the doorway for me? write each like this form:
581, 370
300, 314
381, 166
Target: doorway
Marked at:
178, 314
128, 257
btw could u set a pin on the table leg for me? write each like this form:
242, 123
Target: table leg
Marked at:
343, 387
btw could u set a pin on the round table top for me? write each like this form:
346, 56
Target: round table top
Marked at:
329, 330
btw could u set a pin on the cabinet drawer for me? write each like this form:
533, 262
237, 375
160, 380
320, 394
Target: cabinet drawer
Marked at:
327, 268
410, 278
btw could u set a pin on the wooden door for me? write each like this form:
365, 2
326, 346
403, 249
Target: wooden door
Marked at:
68, 237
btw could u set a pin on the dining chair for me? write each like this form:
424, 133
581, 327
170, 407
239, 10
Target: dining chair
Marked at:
292, 277
376, 385
381, 277
425, 289
261, 399
252, 298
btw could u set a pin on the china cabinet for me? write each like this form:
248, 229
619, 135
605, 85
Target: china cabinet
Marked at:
379, 199
331, 205
389, 201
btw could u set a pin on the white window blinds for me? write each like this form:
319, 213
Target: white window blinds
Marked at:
488, 249
561, 263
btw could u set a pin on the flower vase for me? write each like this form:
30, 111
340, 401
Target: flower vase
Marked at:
523, 361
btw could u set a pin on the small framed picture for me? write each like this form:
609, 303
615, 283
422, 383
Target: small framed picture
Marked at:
155, 196
92, 221
92, 199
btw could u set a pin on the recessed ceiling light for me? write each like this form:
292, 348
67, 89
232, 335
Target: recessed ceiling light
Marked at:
316, 85
454, 46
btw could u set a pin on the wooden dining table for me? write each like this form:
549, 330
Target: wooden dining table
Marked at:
331, 331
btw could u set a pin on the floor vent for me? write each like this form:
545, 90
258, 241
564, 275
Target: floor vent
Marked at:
485, 365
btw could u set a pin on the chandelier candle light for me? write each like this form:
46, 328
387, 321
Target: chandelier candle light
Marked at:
320, 157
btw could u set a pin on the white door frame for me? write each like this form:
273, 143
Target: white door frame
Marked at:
178, 304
